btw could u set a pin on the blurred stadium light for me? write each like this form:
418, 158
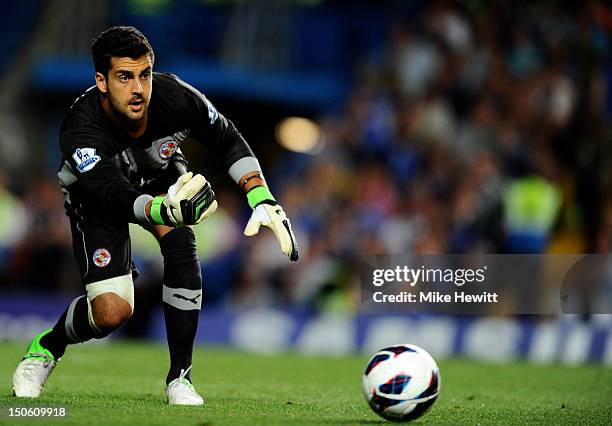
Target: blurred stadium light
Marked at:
300, 135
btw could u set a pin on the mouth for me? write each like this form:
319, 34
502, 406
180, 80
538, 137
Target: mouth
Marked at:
136, 105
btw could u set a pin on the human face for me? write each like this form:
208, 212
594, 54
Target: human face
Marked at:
128, 86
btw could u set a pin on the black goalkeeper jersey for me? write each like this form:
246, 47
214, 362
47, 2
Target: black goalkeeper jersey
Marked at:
104, 169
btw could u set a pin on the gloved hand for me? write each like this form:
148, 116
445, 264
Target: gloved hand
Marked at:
188, 202
270, 214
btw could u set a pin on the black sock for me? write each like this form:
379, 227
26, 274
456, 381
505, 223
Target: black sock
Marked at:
182, 297
56, 340
181, 328
72, 327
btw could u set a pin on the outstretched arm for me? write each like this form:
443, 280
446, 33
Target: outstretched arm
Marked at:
219, 134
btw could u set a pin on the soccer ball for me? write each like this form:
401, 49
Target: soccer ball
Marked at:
401, 382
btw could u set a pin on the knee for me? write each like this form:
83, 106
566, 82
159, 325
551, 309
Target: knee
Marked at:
109, 312
112, 303
179, 246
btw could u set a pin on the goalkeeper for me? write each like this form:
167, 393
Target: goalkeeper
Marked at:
122, 162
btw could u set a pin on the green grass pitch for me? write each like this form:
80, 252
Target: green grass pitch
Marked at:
123, 383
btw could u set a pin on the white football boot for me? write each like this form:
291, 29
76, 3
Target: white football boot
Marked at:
180, 391
34, 369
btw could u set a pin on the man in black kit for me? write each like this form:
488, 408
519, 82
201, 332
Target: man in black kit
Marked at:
121, 148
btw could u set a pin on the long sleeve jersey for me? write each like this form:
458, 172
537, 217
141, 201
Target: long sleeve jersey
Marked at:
104, 170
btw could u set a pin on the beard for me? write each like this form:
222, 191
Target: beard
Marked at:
123, 112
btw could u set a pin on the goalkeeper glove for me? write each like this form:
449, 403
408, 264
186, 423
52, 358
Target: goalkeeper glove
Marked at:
188, 202
267, 212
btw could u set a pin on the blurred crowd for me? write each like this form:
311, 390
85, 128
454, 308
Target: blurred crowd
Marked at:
469, 132
472, 129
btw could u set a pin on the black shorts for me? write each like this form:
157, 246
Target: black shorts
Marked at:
102, 248
101, 245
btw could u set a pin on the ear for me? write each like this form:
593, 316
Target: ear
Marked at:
101, 82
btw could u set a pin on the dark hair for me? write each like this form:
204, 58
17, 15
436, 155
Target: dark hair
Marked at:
119, 42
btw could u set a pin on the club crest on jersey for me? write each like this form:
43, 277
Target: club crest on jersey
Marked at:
101, 257
85, 159
167, 149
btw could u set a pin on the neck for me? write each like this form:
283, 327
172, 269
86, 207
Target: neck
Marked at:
133, 128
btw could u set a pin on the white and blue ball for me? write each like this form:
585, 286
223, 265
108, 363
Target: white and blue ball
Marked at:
401, 382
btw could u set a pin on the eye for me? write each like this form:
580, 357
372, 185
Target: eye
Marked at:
123, 78
145, 75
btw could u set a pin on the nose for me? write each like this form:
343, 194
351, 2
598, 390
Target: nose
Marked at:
137, 87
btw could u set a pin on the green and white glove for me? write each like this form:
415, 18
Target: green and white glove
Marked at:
188, 202
267, 212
